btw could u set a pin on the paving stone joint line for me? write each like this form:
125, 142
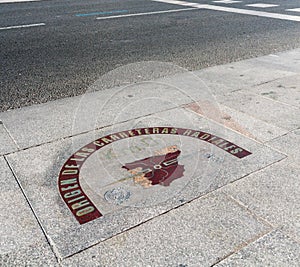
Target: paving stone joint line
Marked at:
250, 173
273, 80
143, 222
275, 149
289, 234
242, 205
280, 136
277, 101
10, 136
243, 245
271, 99
32, 209
261, 119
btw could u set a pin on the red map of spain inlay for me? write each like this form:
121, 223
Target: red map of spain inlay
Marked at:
160, 169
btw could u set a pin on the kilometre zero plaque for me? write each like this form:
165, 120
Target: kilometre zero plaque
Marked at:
161, 167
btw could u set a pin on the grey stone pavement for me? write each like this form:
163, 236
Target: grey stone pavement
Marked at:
224, 210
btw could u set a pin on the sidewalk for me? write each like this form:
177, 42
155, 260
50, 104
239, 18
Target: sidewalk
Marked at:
194, 169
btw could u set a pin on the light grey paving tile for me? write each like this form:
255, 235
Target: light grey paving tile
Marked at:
289, 61
273, 249
286, 90
206, 168
276, 113
292, 229
22, 241
7, 144
238, 75
38, 124
38, 254
272, 193
196, 234
288, 144
238, 121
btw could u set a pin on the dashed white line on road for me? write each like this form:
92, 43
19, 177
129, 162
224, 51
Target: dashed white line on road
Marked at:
148, 13
235, 10
261, 5
178, 2
22, 26
16, 1
226, 2
293, 9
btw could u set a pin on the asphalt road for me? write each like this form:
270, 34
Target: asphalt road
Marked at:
69, 48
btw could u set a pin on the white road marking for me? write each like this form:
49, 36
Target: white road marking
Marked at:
22, 26
236, 10
147, 13
181, 3
16, 1
294, 9
227, 1
261, 5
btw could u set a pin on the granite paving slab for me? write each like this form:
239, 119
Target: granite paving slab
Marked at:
196, 234
268, 110
273, 194
22, 241
288, 144
238, 121
238, 75
273, 249
176, 165
289, 60
285, 90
